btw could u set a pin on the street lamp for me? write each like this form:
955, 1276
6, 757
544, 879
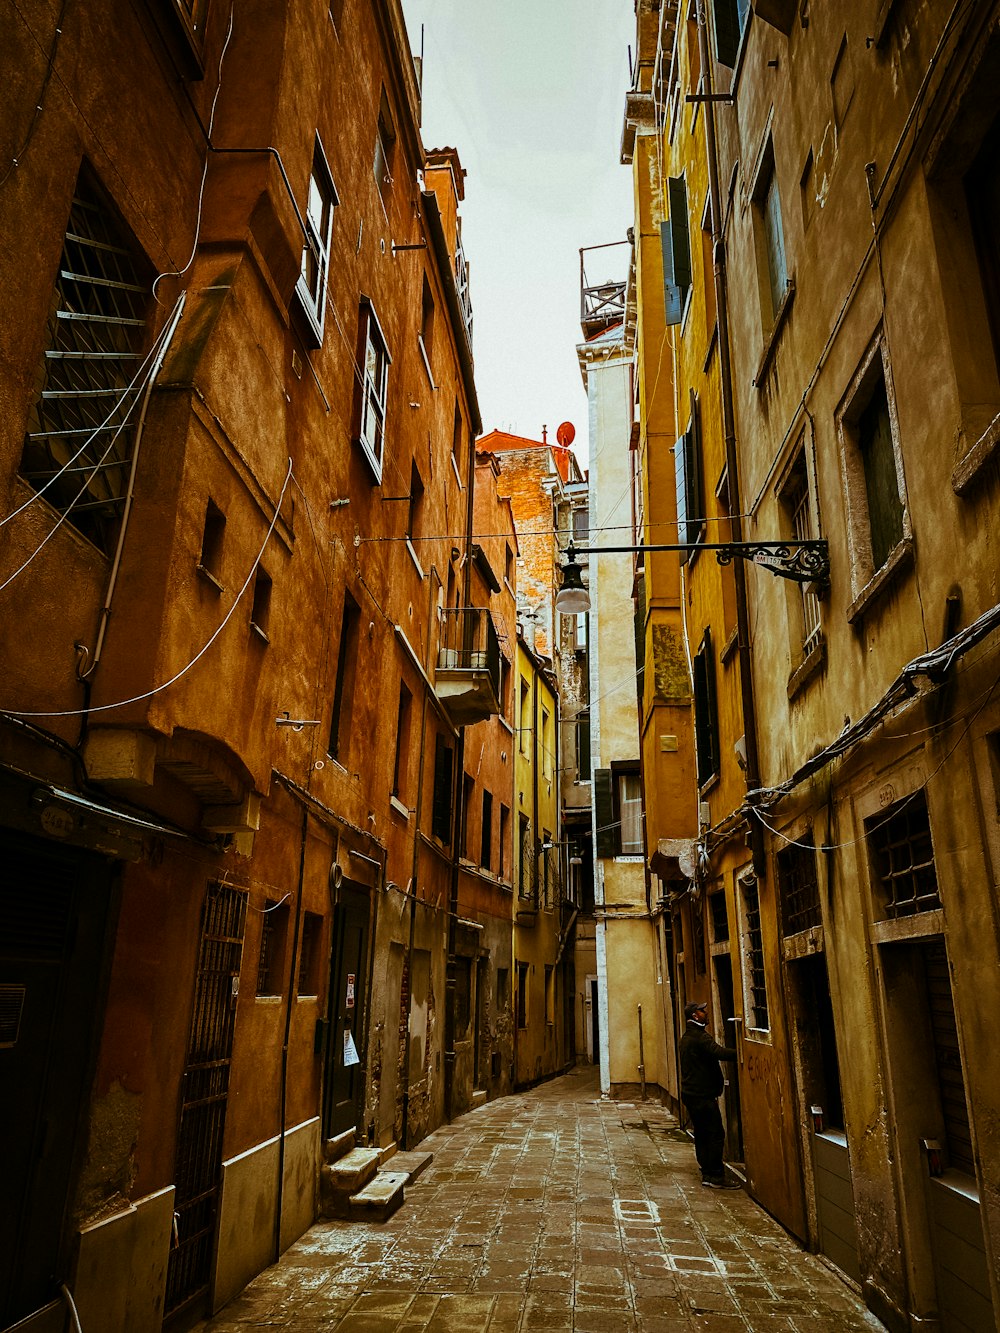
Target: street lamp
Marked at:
801, 561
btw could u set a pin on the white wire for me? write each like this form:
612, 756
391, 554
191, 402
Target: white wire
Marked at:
157, 689
179, 272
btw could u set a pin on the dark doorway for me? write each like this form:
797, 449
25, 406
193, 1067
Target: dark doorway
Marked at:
344, 1075
54, 905
205, 1097
595, 1022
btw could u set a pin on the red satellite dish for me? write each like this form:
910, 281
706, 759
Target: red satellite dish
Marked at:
566, 434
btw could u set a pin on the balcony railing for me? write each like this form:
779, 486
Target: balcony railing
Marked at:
468, 665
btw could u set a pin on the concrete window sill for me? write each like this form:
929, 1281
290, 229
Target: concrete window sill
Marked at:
899, 560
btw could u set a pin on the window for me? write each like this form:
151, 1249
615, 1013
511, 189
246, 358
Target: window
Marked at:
503, 989
309, 955
719, 917
797, 521
468, 790
486, 842
708, 268
414, 509
260, 610
769, 240
730, 21
372, 388
315, 270
842, 84
546, 755
81, 428
343, 694
877, 519
578, 629
522, 995
273, 937
399, 767
903, 857
982, 192
385, 151
523, 857
456, 443
688, 480
706, 722
807, 191
550, 995
212, 537
798, 886
505, 862
425, 340
676, 249
630, 805
755, 981
508, 564
504, 687
442, 802
583, 746
548, 851
524, 717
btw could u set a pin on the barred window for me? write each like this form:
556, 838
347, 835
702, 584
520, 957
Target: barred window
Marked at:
754, 976
903, 857
720, 919
80, 431
799, 887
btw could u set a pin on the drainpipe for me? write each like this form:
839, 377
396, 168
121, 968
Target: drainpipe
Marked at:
747, 705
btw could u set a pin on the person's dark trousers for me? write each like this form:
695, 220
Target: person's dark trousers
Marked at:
709, 1135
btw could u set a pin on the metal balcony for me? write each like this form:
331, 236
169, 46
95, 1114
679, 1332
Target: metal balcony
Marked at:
467, 679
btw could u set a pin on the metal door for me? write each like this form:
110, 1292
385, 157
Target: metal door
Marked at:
344, 1077
205, 1094
54, 906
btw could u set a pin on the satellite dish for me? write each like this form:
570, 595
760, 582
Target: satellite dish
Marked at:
566, 434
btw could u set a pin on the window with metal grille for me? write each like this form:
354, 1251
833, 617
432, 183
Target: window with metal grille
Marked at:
799, 887
720, 918
81, 429
273, 934
903, 857
754, 975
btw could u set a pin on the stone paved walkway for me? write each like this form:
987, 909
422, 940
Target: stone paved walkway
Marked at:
559, 1211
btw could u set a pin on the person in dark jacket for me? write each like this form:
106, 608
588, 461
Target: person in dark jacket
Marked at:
701, 1086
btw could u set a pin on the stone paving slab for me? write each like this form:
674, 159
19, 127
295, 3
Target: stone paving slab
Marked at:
560, 1211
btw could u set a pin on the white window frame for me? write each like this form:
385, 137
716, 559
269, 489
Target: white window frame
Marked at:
320, 206
373, 374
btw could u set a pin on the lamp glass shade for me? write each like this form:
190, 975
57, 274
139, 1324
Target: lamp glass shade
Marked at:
572, 598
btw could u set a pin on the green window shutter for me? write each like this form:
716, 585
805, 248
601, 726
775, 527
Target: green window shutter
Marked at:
727, 31
608, 832
441, 808
706, 724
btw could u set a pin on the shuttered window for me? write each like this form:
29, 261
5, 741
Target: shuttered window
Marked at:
706, 724
608, 831
755, 978
885, 509
730, 20
675, 244
81, 429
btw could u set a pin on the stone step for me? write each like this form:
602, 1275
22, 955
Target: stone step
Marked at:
339, 1180
380, 1198
336, 1148
409, 1164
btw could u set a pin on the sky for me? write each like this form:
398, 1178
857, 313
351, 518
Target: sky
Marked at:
531, 93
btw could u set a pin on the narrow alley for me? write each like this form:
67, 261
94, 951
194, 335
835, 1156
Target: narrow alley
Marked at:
558, 1210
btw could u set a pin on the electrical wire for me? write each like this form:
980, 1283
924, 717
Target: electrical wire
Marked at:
179, 272
158, 689
40, 99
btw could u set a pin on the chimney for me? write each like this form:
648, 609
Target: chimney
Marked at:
445, 176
